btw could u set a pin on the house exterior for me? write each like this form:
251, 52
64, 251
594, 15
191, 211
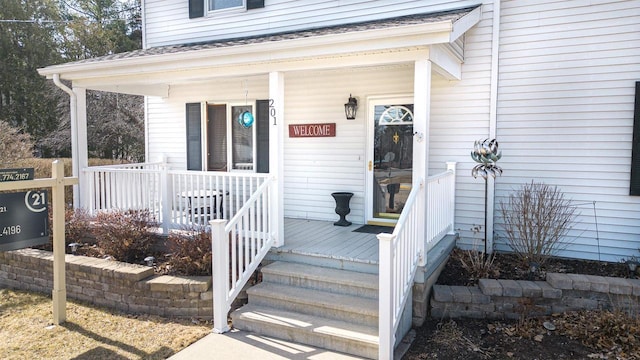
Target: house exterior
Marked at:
553, 81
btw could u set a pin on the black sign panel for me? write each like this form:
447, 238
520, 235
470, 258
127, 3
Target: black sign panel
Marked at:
16, 174
23, 219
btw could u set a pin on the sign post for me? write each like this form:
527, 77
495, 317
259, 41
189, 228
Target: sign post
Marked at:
57, 183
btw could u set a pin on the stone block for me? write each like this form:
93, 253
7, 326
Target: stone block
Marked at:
635, 286
598, 284
580, 282
490, 287
164, 283
93, 292
511, 288
471, 314
181, 311
478, 297
113, 297
582, 303
484, 308
139, 309
208, 313
504, 307
461, 294
549, 292
530, 289
440, 313
560, 281
442, 293
619, 286
206, 295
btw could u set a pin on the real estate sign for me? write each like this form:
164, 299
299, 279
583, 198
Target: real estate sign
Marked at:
24, 217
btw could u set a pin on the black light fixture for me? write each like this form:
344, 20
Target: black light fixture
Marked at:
350, 108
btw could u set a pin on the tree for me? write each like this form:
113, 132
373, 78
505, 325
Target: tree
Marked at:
27, 100
115, 122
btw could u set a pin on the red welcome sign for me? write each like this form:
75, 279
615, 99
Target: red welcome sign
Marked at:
312, 130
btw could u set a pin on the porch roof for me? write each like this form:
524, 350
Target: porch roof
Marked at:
151, 71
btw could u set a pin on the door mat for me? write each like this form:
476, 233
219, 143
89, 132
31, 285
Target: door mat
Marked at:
374, 229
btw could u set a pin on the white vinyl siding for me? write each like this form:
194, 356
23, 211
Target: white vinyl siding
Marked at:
459, 116
565, 114
167, 21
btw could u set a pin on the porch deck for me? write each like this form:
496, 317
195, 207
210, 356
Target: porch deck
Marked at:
322, 243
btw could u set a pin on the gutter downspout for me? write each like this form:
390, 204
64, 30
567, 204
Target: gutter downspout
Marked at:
73, 112
493, 115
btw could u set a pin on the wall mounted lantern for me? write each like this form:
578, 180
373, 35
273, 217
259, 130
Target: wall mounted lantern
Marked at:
350, 108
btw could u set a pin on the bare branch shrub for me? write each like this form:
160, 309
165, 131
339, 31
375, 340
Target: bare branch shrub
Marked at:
125, 235
537, 217
15, 145
77, 226
190, 252
478, 264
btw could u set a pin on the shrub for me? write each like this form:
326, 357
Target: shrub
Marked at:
125, 235
537, 217
77, 226
14, 145
477, 263
191, 252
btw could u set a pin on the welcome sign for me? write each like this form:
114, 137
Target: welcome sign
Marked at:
312, 130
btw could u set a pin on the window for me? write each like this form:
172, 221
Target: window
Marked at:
241, 140
224, 4
222, 143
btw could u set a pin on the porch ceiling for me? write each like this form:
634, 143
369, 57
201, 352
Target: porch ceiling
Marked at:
152, 71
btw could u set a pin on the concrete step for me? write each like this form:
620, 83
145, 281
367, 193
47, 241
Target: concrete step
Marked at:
346, 337
322, 278
355, 309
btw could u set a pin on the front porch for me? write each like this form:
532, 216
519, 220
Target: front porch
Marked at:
240, 207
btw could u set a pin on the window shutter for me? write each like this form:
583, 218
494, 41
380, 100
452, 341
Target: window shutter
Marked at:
196, 8
255, 4
634, 188
194, 139
262, 136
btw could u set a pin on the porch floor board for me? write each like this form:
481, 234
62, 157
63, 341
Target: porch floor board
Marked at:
323, 239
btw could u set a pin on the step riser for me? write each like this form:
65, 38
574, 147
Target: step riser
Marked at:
293, 280
346, 346
323, 262
306, 308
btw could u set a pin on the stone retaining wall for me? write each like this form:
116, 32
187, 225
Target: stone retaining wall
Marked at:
511, 299
126, 287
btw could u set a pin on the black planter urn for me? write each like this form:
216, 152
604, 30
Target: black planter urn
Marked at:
342, 207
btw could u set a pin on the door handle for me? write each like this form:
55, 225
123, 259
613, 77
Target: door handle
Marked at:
370, 165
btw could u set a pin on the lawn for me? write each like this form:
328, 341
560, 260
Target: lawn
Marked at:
89, 332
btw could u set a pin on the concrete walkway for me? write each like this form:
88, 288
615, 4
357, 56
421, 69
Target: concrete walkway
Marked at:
249, 346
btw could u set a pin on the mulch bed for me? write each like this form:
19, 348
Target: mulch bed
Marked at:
578, 335
509, 266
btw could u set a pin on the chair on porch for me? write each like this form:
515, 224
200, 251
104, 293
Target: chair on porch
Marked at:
203, 205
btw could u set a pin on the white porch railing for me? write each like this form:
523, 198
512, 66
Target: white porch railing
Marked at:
177, 198
129, 186
238, 248
406, 248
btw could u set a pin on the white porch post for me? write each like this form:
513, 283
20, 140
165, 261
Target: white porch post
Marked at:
276, 152
451, 166
386, 306
421, 117
80, 153
220, 272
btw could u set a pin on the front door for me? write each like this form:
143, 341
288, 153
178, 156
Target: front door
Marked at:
390, 162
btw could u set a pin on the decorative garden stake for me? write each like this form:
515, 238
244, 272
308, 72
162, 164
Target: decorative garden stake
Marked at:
486, 154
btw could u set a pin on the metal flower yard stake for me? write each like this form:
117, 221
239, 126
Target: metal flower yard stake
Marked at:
486, 154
